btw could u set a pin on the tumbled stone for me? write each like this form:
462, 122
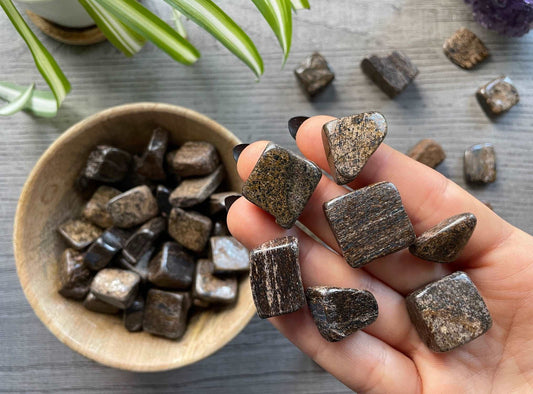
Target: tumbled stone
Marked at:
350, 141
171, 268
74, 278
133, 207
220, 228
212, 289
143, 239
195, 158
339, 312
79, 233
162, 196
193, 191
228, 255
96, 305
190, 229
275, 277
107, 164
116, 286
480, 163
428, 152
96, 208
141, 268
449, 312
150, 164
498, 96
165, 313
392, 73
217, 202
443, 242
102, 251
133, 315
281, 183
314, 74
465, 49
369, 223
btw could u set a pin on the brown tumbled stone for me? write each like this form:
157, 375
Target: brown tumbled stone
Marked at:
449, 312
195, 158
350, 141
143, 239
133, 315
107, 164
369, 223
314, 74
96, 305
193, 191
133, 207
228, 255
281, 183
102, 251
339, 312
141, 268
275, 277
190, 229
74, 278
150, 164
79, 233
465, 49
428, 152
480, 163
116, 287
96, 208
165, 313
209, 288
498, 96
217, 202
443, 242
171, 268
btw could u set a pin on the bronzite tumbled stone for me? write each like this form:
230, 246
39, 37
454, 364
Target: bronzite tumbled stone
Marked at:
350, 141
498, 96
339, 312
428, 152
165, 313
281, 183
443, 242
116, 286
211, 289
275, 277
133, 315
96, 208
143, 239
102, 251
193, 191
133, 207
150, 164
96, 305
195, 158
314, 74
448, 313
228, 255
74, 277
369, 223
480, 163
107, 164
190, 229
465, 49
79, 233
171, 268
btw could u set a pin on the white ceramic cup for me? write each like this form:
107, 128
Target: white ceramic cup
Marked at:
69, 13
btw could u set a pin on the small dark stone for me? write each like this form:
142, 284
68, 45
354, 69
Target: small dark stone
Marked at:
96, 305
281, 183
444, 242
480, 163
339, 312
193, 191
314, 74
171, 268
449, 312
369, 223
428, 152
133, 315
217, 202
213, 290
141, 268
190, 229
143, 239
465, 49
220, 228
195, 158
102, 251
275, 277
150, 164
165, 313
133, 207
107, 164
116, 287
74, 278
498, 96
162, 195
96, 208
79, 233
228, 255
349, 142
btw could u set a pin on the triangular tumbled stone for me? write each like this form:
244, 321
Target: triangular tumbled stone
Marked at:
349, 142
444, 242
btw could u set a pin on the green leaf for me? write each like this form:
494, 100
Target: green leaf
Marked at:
151, 27
122, 37
17, 104
278, 15
180, 27
300, 4
42, 103
209, 16
44, 61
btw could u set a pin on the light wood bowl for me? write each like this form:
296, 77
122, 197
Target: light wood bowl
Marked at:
48, 199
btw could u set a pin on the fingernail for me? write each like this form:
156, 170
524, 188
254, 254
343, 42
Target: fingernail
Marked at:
295, 123
237, 150
228, 201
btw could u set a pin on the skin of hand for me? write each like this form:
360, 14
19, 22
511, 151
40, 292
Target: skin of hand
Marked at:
388, 356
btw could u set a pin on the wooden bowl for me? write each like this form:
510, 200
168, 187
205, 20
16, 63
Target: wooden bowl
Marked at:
49, 198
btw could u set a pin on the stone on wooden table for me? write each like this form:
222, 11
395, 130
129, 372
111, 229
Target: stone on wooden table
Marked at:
150, 164
133, 207
162, 196
498, 96
189, 228
369, 223
79, 233
95, 210
165, 313
281, 183
195, 158
133, 315
102, 251
74, 277
350, 141
171, 268
314, 74
480, 163
211, 289
220, 228
428, 152
275, 277
465, 49
228, 255
443, 242
339, 312
193, 191
449, 312
392, 73
217, 201
116, 286
96, 305
107, 164
142, 240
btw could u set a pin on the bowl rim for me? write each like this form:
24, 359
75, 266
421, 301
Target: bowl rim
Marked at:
23, 203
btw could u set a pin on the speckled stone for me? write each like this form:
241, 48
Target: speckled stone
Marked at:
150, 164
133, 315
220, 228
449, 312
428, 152
162, 196
74, 278
339, 312
281, 183
498, 96
165, 313
193, 191
211, 289
369, 223
314, 74
116, 286
195, 158
480, 163
392, 73
102, 251
79, 233
228, 255
275, 277
95, 210
133, 207
189, 228
107, 164
217, 202
171, 268
143, 239
443, 242
350, 141
96, 305
465, 49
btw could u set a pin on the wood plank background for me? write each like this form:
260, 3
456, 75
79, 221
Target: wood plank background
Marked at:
440, 105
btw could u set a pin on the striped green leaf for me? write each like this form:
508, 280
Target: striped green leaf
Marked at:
178, 21
300, 4
41, 103
278, 15
209, 16
19, 103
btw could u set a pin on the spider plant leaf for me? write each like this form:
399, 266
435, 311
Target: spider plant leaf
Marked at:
300, 4
215, 21
44, 61
17, 104
42, 103
151, 27
122, 37
178, 21
278, 15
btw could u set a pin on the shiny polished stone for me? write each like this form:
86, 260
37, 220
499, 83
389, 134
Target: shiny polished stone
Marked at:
314, 74
212, 289
79, 233
228, 255
150, 164
171, 268
195, 158
107, 164
480, 163
95, 210
141, 268
102, 251
133, 315
217, 201
498, 96
96, 305
116, 286
428, 152
189, 228
165, 313
74, 278
465, 49
133, 207
162, 195
193, 191
143, 239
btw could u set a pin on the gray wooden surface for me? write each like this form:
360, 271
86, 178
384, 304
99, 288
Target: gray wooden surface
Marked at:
440, 105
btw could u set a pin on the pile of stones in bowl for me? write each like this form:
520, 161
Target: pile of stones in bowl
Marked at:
152, 243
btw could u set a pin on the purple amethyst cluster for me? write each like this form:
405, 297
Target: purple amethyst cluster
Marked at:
512, 18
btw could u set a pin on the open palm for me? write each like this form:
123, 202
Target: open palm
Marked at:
388, 356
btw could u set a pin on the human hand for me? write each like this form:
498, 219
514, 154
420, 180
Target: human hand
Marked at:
388, 356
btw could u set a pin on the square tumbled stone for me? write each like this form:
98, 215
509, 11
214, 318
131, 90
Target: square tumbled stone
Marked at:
189, 228
150, 164
171, 268
369, 223
211, 289
193, 191
314, 74
465, 49
195, 158
116, 287
143, 239
449, 312
428, 152
102, 251
79, 233
498, 96
133, 207
74, 277
228, 255
96, 208
281, 183
480, 163
165, 313
107, 164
